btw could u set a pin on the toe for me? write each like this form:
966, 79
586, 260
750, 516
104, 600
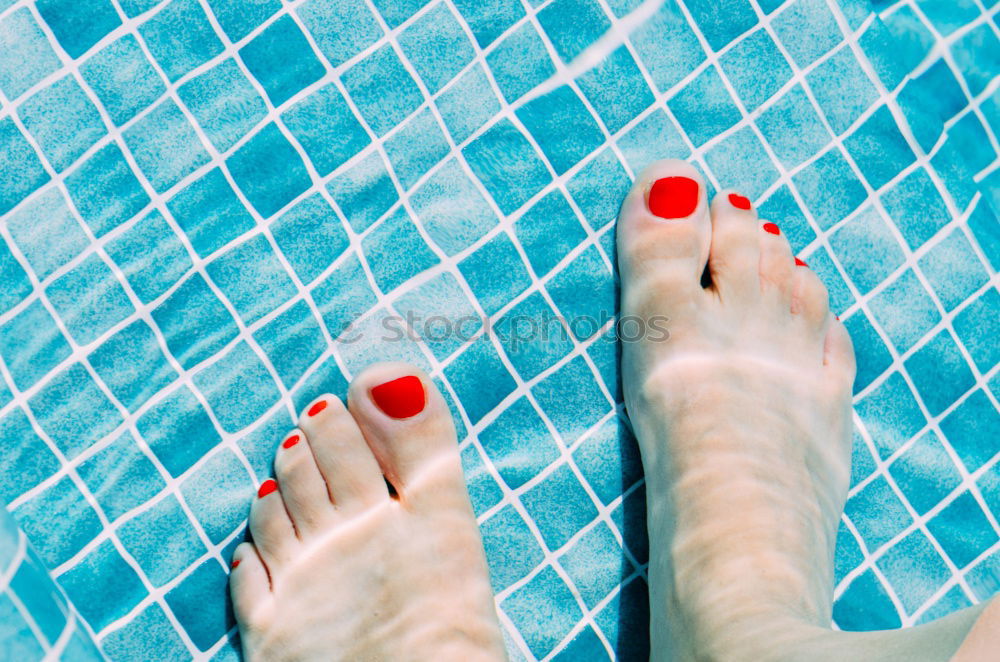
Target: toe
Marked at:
352, 474
776, 264
838, 354
302, 486
810, 300
408, 426
271, 528
249, 586
663, 236
734, 259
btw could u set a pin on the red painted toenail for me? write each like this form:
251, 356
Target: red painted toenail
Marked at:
235, 563
772, 228
400, 398
316, 408
673, 197
291, 441
800, 263
739, 201
268, 486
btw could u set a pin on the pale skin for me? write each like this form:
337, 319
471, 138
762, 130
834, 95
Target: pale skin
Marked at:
743, 422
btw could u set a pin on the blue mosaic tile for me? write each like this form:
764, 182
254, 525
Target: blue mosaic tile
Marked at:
89, 300
293, 341
161, 540
842, 89
343, 295
218, 512
180, 38
192, 601
520, 62
209, 213
269, 171
916, 208
548, 231
150, 255
327, 129
865, 605
122, 78
962, 530
953, 269
436, 45
397, 251
29, 56
503, 533
968, 430
96, 416
78, 26
452, 229
224, 102
927, 364
191, 307
543, 610
238, 388
668, 46
31, 345
490, 18
573, 25
24, 171
27, 460
364, 192
189, 435
341, 28
704, 108
476, 363
252, 278
57, 541
132, 364
63, 121
383, 90
500, 254
877, 513
468, 103
46, 231
721, 22
120, 477
105, 190
416, 148
238, 19
281, 60
807, 29
755, 68
793, 109
148, 635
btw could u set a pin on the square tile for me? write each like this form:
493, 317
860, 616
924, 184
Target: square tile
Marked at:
209, 213
972, 140
180, 37
364, 192
162, 540
293, 341
41, 599
383, 90
252, 278
507, 165
520, 62
879, 134
92, 414
975, 53
205, 619
437, 46
914, 569
133, 8
809, 137
982, 224
194, 323
78, 25
47, 232
122, 78
741, 160
952, 601
498, 255
105, 191
395, 12
16, 283
940, 356
616, 89
178, 430
311, 237
451, 209
269, 171
132, 365
722, 21
224, 102
378, 336
341, 28
468, 104
58, 521
165, 146
28, 56
584, 291
916, 208
977, 328
149, 634
948, 15
327, 129
953, 269
511, 549
891, 415
969, 430
905, 311
238, 387
518, 444
488, 19
344, 295
281, 60
842, 89
120, 477
925, 473
668, 46
479, 364
595, 564
829, 188
598, 187
32, 345
548, 231
89, 300
63, 122
589, 402
396, 251
239, 19
873, 357
949, 162
440, 313
573, 25
802, 18
867, 249
655, 137
120, 587
150, 255
704, 107
24, 172
416, 147
896, 44
755, 68
533, 336
27, 459
926, 123
963, 530
563, 127
219, 493
543, 611
609, 459
877, 513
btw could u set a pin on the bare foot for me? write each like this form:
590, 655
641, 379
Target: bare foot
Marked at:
743, 420
340, 569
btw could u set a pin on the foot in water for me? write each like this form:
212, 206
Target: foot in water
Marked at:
342, 568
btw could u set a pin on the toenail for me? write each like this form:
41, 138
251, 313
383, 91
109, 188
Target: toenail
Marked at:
772, 228
291, 441
266, 488
400, 398
739, 201
800, 263
235, 563
673, 197
316, 408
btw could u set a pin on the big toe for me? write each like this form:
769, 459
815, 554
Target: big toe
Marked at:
664, 234
408, 426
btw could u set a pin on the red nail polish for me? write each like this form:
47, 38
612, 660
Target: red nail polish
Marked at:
235, 563
800, 263
400, 398
291, 441
739, 201
772, 228
316, 408
268, 486
673, 197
